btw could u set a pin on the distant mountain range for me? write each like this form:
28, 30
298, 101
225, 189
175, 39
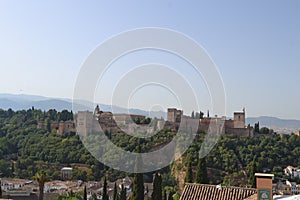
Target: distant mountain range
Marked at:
279, 125
23, 101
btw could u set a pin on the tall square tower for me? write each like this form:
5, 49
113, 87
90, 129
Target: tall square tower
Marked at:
239, 119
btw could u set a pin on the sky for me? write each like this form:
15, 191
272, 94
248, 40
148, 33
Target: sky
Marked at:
254, 44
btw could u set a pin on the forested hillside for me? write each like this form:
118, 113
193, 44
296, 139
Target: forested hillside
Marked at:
24, 150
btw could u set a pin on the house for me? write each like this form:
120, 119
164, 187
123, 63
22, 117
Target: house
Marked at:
66, 173
297, 133
19, 189
293, 187
14, 184
97, 187
278, 187
291, 171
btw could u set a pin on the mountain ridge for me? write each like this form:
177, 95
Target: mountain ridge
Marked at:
24, 101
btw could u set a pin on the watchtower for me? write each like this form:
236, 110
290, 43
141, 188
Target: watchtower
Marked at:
239, 119
174, 115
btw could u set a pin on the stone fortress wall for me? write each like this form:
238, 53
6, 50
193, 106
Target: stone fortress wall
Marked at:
88, 122
235, 127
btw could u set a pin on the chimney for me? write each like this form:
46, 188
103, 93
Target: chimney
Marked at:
264, 186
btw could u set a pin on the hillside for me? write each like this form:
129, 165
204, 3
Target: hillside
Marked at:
25, 148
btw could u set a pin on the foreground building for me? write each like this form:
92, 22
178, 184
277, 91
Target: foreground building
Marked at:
216, 192
263, 191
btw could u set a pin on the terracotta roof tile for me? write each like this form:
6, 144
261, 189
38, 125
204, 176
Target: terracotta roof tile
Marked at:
212, 192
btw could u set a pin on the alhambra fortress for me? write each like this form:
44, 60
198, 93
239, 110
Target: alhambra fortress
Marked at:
88, 122
234, 127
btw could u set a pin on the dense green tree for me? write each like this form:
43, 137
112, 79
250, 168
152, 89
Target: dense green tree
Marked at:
137, 120
5, 168
73, 196
201, 173
148, 120
264, 130
157, 187
168, 179
79, 175
52, 114
65, 115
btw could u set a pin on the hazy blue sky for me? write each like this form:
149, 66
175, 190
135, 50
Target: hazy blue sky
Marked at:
255, 44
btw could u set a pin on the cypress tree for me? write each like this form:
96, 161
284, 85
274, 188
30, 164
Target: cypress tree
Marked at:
94, 197
189, 173
48, 125
84, 193
138, 180
170, 196
147, 189
138, 187
115, 197
253, 170
157, 190
12, 169
123, 193
0, 190
201, 174
165, 195
175, 196
105, 195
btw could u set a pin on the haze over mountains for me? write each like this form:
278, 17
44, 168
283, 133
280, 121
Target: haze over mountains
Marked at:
23, 101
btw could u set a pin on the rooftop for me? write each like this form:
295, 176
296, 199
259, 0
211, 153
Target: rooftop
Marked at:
67, 168
264, 175
193, 191
286, 197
